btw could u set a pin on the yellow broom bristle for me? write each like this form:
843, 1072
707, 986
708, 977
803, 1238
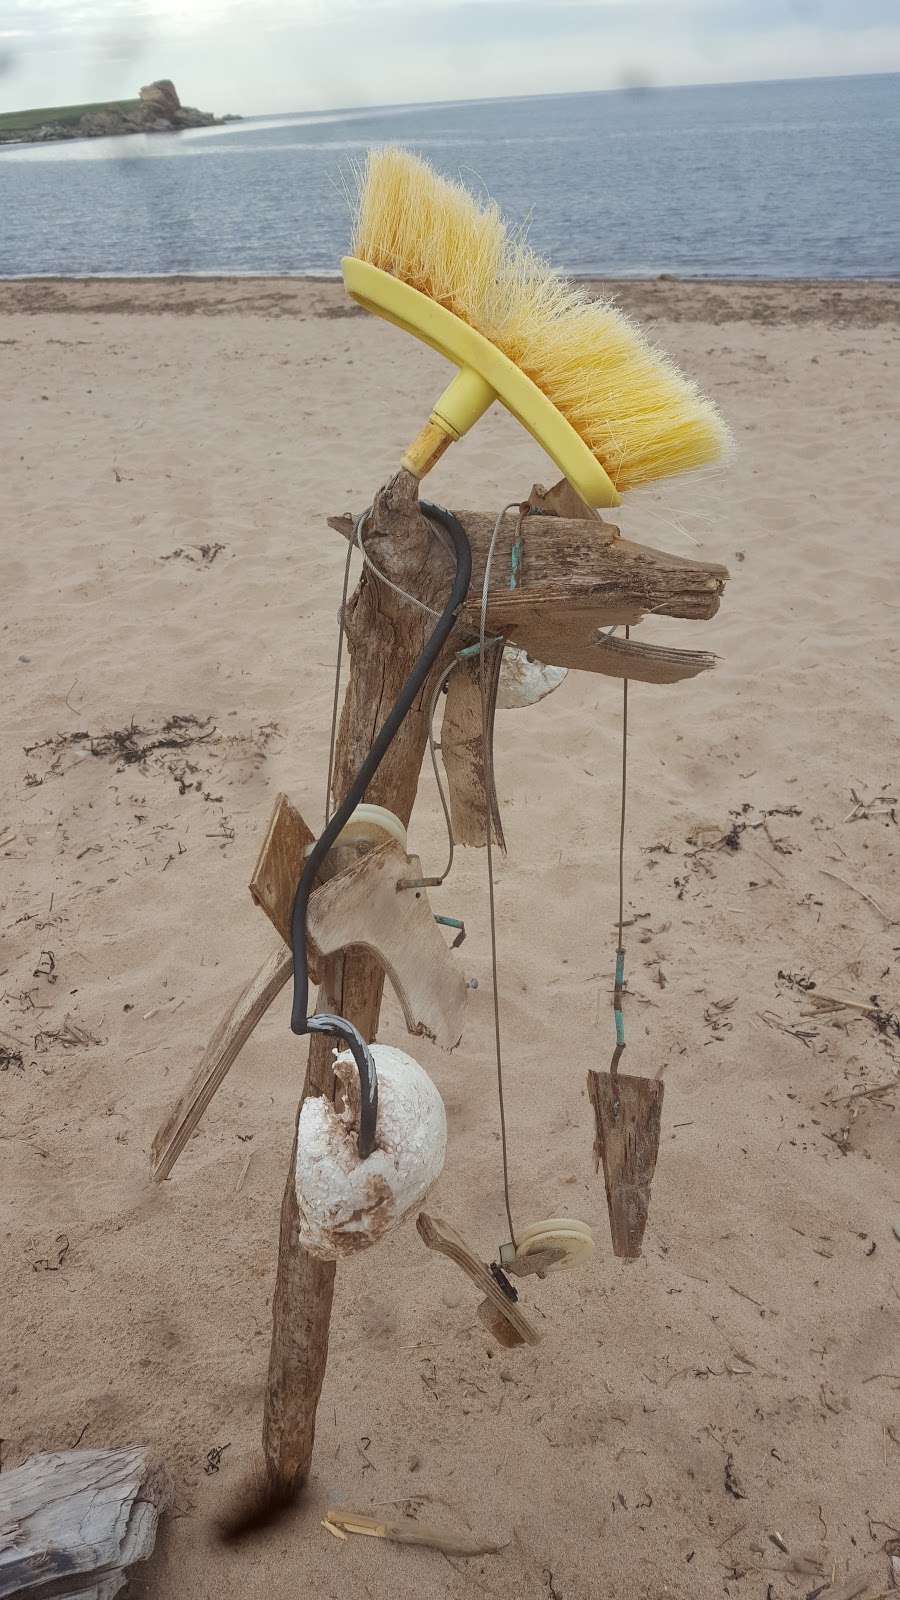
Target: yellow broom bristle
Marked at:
640, 416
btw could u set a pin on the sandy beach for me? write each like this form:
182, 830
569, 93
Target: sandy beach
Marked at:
720, 1418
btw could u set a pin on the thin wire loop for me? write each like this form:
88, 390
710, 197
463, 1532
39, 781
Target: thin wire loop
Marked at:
413, 599
488, 791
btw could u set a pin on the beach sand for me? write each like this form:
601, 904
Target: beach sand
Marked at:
742, 1380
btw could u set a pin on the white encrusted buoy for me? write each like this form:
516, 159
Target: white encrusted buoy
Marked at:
344, 1203
524, 682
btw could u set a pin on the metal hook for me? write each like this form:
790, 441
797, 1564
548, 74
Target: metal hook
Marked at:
340, 1028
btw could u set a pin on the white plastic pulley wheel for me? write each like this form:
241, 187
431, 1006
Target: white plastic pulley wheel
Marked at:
557, 1233
344, 1203
369, 825
374, 824
524, 682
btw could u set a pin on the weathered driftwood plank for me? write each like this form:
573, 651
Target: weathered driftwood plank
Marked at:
628, 1113
278, 867
515, 1327
615, 657
223, 1049
385, 636
73, 1521
362, 906
462, 750
577, 574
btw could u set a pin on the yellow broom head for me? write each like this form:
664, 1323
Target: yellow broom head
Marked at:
640, 416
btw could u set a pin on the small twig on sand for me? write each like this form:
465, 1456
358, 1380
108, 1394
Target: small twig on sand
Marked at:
857, 890
409, 1532
832, 1002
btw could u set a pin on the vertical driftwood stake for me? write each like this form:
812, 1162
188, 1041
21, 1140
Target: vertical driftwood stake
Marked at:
385, 635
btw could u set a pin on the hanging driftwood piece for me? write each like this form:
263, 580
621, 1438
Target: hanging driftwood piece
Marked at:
363, 906
501, 1316
73, 1521
462, 749
628, 1112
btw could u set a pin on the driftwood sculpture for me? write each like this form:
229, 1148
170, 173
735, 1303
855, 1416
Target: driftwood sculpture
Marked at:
574, 577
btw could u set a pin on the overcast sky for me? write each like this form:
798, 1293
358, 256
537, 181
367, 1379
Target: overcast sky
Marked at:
295, 55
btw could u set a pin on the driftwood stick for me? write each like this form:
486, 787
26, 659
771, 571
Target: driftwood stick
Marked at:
223, 1049
408, 1532
505, 1320
471, 790
385, 636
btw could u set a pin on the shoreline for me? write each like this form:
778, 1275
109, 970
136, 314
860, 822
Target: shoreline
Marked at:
859, 302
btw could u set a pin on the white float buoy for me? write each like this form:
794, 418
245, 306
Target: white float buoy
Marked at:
344, 1203
524, 682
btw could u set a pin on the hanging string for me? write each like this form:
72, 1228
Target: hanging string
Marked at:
488, 835
620, 950
342, 624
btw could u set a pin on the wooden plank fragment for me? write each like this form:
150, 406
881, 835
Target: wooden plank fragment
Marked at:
73, 1521
363, 907
628, 1112
462, 750
279, 865
440, 1236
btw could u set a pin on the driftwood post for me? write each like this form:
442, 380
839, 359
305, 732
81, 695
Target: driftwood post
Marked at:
385, 635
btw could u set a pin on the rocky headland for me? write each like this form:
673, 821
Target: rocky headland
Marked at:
158, 110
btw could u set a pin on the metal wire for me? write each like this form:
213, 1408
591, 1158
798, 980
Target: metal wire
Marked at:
413, 599
437, 775
488, 791
620, 951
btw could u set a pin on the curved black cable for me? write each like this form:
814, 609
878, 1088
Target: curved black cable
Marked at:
301, 1022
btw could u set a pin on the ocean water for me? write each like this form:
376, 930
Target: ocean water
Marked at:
767, 180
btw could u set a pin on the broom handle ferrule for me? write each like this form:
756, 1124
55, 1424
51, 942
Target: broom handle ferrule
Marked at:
462, 404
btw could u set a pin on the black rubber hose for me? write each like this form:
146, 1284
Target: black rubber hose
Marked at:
301, 1022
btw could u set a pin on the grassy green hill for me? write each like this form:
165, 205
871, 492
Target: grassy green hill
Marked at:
24, 121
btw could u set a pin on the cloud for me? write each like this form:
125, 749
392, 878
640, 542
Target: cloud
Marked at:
284, 55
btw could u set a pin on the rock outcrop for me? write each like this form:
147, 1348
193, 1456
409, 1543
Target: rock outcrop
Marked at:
158, 110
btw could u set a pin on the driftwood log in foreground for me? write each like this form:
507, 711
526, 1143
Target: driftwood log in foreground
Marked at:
73, 1521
